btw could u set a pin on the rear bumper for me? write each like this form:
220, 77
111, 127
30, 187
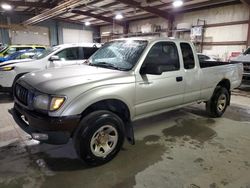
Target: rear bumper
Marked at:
57, 130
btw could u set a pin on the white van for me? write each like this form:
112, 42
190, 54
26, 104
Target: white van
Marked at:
57, 56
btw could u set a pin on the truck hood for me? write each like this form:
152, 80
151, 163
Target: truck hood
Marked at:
15, 62
57, 80
242, 58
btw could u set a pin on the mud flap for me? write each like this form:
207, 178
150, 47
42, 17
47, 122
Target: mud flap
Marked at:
130, 133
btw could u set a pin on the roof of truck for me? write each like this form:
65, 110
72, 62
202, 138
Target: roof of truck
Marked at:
153, 39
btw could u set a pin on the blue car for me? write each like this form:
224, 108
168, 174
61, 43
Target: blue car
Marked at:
22, 54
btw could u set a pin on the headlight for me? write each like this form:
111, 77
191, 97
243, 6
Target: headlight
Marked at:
48, 103
56, 103
41, 102
6, 68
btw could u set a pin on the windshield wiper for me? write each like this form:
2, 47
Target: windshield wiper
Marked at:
107, 65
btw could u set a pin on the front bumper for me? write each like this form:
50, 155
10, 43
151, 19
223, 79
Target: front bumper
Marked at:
58, 130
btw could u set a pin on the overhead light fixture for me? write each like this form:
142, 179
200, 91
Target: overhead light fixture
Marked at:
6, 6
177, 3
87, 23
118, 16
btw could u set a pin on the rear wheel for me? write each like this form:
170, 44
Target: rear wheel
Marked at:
217, 105
99, 137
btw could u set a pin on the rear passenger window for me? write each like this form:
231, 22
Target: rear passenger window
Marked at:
23, 48
88, 52
164, 53
188, 56
69, 54
40, 48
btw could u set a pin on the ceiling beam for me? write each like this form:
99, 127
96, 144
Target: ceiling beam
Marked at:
56, 11
97, 16
29, 4
152, 10
205, 5
95, 9
246, 2
11, 26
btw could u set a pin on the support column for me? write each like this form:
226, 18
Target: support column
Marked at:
248, 33
170, 26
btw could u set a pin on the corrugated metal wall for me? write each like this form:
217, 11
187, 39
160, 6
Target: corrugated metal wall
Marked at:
55, 29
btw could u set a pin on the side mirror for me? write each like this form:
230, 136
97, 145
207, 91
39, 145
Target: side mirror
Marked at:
54, 58
152, 69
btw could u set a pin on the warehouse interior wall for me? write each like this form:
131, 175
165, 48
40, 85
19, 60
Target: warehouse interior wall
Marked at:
235, 36
55, 29
229, 33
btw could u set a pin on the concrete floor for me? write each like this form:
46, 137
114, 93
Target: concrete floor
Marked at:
179, 149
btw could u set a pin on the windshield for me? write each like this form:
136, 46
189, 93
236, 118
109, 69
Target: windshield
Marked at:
45, 53
3, 48
121, 55
247, 52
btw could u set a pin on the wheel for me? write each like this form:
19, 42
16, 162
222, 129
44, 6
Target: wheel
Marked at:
218, 103
99, 137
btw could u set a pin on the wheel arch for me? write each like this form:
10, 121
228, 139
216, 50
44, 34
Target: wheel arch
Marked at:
225, 83
116, 106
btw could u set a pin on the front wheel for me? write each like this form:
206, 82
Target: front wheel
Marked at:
99, 137
218, 103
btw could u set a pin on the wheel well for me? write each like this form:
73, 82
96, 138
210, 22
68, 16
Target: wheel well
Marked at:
17, 77
225, 83
114, 105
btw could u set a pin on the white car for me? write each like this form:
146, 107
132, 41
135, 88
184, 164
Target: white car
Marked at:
57, 56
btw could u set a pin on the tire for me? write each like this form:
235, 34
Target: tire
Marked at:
218, 103
99, 137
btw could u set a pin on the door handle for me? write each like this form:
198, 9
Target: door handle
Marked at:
145, 83
179, 78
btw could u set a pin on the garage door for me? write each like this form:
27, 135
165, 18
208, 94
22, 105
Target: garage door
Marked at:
77, 36
31, 35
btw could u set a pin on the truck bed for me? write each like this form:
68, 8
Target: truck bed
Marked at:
206, 64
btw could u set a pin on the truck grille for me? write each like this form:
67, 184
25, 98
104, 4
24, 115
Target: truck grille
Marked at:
21, 94
246, 67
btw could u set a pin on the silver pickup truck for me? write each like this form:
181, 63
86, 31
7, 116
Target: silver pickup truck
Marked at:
126, 80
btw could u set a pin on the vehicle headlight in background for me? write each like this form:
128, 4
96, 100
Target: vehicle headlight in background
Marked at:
56, 103
41, 102
6, 68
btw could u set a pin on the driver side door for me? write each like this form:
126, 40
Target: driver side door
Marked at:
159, 92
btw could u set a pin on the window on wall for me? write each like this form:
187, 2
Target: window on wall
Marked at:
69, 54
188, 56
247, 52
164, 53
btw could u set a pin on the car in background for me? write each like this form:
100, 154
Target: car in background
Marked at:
57, 56
203, 57
7, 50
22, 54
245, 59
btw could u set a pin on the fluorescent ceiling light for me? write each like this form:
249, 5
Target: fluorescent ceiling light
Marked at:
87, 23
118, 16
6, 6
177, 3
